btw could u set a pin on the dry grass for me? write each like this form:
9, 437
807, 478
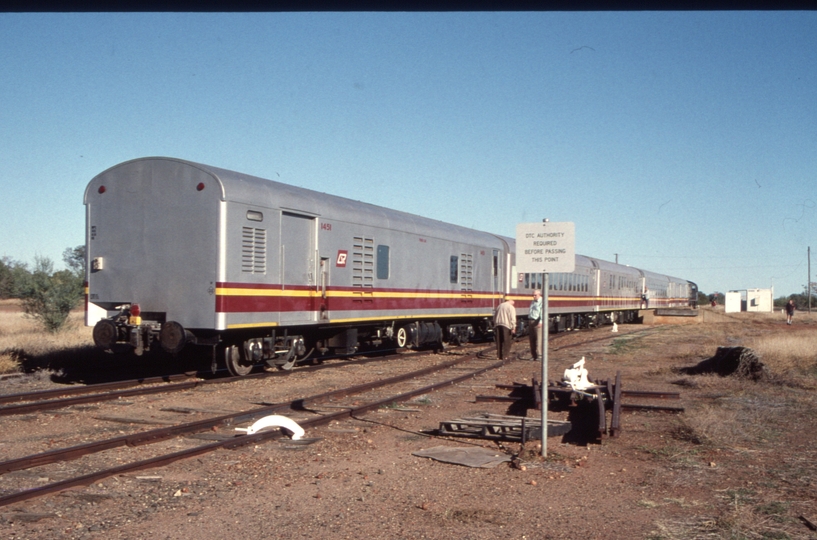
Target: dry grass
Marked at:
742, 523
745, 518
734, 412
800, 317
742, 420
769, 510
757, 431
788, 352
22, 337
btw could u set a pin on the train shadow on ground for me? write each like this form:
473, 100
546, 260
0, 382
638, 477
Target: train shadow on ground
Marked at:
89, 365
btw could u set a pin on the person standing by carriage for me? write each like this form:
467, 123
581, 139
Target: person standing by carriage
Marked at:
504, 328
535, 322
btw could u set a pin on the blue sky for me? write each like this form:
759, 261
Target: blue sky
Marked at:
683, 143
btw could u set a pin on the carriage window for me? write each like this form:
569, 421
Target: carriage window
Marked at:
534, 281
382, 262
453, 269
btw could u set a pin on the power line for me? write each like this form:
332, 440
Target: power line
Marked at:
791, 268
705, 257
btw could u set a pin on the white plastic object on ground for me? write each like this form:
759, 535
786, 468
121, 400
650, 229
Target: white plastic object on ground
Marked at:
275, 420
576, 376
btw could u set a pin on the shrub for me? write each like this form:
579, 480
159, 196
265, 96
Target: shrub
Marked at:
14, 278
50, 295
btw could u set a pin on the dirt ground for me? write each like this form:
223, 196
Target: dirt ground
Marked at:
737, 463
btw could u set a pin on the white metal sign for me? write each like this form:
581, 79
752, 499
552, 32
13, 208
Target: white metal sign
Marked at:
545, 247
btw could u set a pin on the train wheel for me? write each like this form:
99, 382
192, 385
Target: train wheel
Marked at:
402, 337
236, 365
105, 333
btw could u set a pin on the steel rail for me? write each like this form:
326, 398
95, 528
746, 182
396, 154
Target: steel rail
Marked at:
243, 440
156, 435
94, 398
91, 388
636, 407
648, 394
98, 393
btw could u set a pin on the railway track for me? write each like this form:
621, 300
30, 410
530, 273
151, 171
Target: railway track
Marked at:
310, 412
45, 400
52, 399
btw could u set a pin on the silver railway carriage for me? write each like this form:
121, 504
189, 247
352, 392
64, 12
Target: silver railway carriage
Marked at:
182, 253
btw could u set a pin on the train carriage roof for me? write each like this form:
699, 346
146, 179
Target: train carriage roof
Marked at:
662, 277
631, 270
617, 268
252, 190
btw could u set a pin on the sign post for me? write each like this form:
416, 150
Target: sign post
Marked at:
544, 248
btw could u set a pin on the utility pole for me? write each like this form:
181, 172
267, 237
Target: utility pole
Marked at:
808, 288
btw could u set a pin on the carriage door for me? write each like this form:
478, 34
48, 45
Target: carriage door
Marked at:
298, 268
323, 283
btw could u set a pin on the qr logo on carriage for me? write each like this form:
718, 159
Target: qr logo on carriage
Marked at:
341, 260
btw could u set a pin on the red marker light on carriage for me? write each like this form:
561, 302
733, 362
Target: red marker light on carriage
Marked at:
101, 190
134, 318
200, 187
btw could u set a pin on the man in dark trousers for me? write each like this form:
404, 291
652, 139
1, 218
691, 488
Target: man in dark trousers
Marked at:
535, 321
789, 311
504, 328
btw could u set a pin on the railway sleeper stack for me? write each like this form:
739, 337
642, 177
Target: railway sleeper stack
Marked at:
587, 410
502, 427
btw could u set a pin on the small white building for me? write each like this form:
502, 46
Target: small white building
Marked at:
750, 300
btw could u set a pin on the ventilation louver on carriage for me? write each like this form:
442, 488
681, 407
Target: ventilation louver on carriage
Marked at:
466, 272
253, 250
363, 262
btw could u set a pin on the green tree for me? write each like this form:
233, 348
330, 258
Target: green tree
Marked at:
801, 300
15, 278
6, 279
50, 296
74, 259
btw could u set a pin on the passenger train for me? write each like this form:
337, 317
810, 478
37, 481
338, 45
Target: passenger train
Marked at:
181, 254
